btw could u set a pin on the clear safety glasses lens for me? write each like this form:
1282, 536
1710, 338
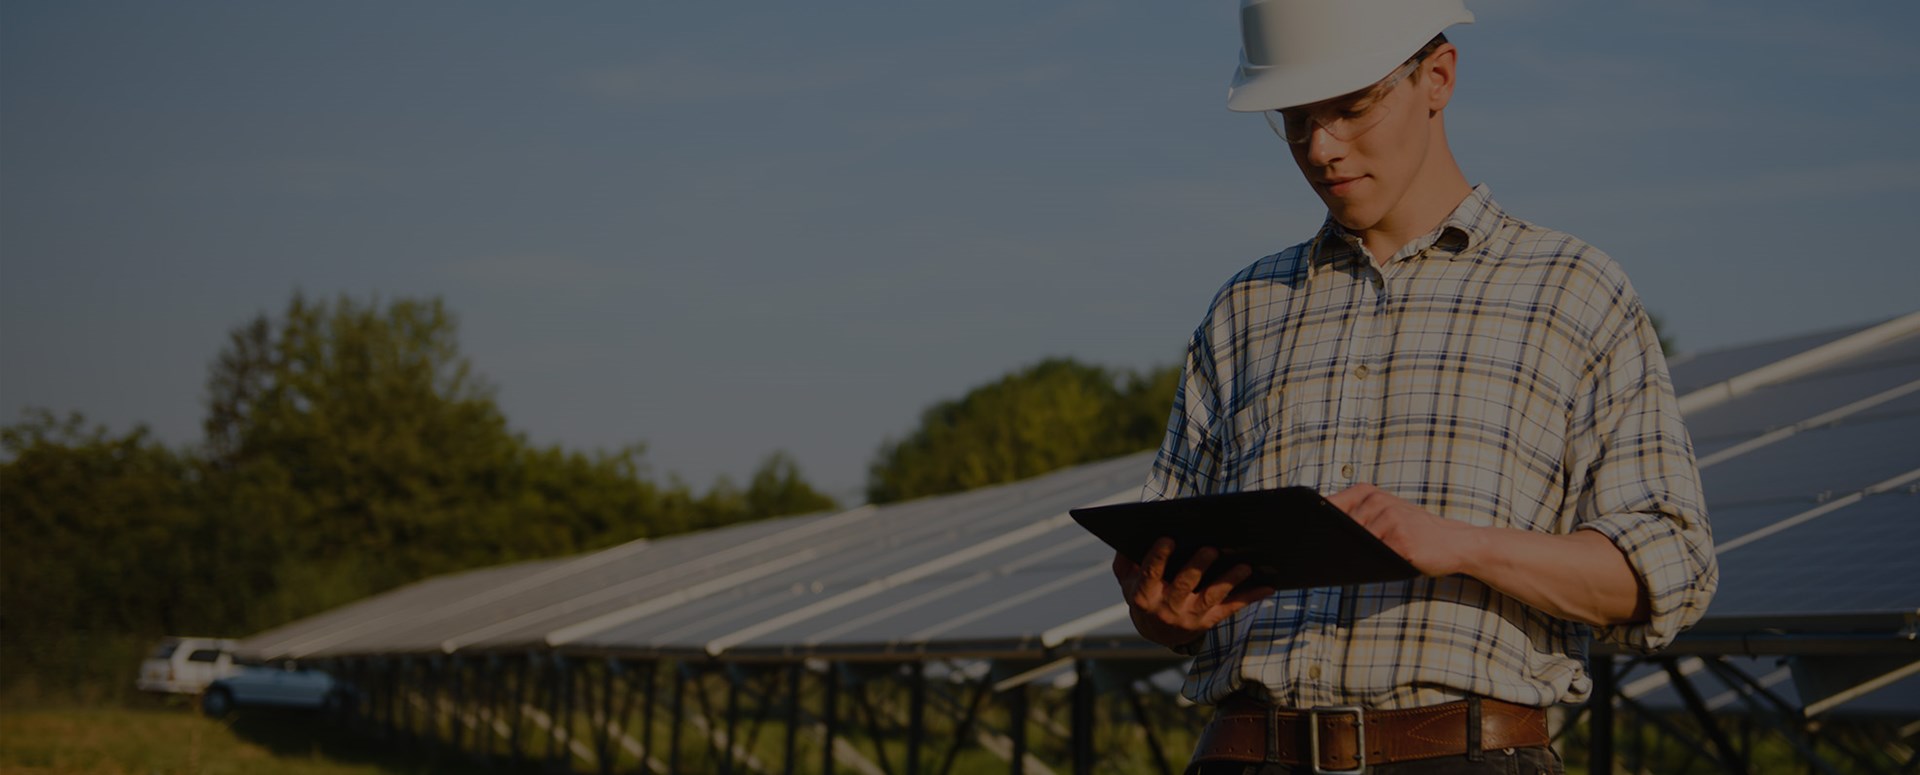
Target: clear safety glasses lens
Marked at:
1296, 125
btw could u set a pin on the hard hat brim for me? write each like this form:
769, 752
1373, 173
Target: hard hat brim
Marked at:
1314, 76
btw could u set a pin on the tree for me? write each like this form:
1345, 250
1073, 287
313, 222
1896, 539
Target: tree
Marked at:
777, 488
97, 557
363, 439
1052, 414
366, 453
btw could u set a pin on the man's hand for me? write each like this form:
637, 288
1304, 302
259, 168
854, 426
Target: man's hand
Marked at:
1174, 611
1435, 545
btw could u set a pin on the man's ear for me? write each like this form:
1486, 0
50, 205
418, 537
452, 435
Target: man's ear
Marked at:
1436, 82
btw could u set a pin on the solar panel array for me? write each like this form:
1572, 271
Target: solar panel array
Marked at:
1809, 448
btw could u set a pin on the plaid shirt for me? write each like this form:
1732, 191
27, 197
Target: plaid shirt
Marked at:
1493, 372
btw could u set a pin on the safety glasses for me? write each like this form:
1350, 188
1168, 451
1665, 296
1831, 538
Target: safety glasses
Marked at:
1345, 117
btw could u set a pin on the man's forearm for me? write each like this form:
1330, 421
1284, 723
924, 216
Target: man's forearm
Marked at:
1580, 576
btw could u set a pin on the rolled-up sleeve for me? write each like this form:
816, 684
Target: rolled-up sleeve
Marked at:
1641, 485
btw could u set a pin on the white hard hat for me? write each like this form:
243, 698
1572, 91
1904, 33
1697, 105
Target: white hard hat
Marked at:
1295, 52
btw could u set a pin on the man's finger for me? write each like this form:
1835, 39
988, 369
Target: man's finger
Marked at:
1188, 579
1348, 499
1154, 565
1218, 590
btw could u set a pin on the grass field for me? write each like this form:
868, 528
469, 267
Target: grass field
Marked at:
176, 741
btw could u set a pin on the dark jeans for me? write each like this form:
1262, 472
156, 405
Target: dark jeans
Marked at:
1522, 761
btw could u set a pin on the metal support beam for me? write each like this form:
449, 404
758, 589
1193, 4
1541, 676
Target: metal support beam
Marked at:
1146, 726
1730, 758
1671, 731
1752, 693
965, 727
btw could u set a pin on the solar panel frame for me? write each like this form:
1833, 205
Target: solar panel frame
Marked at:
1692, 372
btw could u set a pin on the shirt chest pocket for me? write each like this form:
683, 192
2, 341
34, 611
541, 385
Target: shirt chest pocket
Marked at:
1255, 439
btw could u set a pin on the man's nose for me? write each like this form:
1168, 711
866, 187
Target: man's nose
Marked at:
1323, 148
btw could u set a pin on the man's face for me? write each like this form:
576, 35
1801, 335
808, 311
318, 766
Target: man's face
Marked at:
1363, 179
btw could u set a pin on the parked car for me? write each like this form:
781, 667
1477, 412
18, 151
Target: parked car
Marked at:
183, 665
287, 686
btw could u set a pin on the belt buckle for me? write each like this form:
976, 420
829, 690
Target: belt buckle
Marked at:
1359, 738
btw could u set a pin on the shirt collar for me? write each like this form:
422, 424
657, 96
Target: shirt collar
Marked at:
1468, 227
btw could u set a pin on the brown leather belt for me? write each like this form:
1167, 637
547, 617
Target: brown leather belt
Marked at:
1332, 739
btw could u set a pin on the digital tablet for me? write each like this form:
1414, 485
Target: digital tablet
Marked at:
1291, 537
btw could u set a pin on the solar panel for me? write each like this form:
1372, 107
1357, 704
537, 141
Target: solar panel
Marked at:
1863, 557
1734, 522
539, 597
1837, 459
322, 633
910, 550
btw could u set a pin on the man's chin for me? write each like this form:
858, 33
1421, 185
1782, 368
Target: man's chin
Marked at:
1355, 219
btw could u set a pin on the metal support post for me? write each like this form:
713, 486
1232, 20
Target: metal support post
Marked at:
1017, 727
456, 730
390, 685
794, 674
1083, 708
603, 730
733, 719
679, 709
1600, 717
563, 718
519, 709
830, 713
432, 684
646, 715
916, 714
552, 684
400, 689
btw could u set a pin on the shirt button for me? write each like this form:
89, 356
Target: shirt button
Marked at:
1314, 672
1346, 471
1360, 371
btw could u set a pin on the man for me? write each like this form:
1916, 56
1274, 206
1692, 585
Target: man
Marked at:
1486, 396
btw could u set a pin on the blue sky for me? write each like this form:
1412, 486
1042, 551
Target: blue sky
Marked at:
726, 228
